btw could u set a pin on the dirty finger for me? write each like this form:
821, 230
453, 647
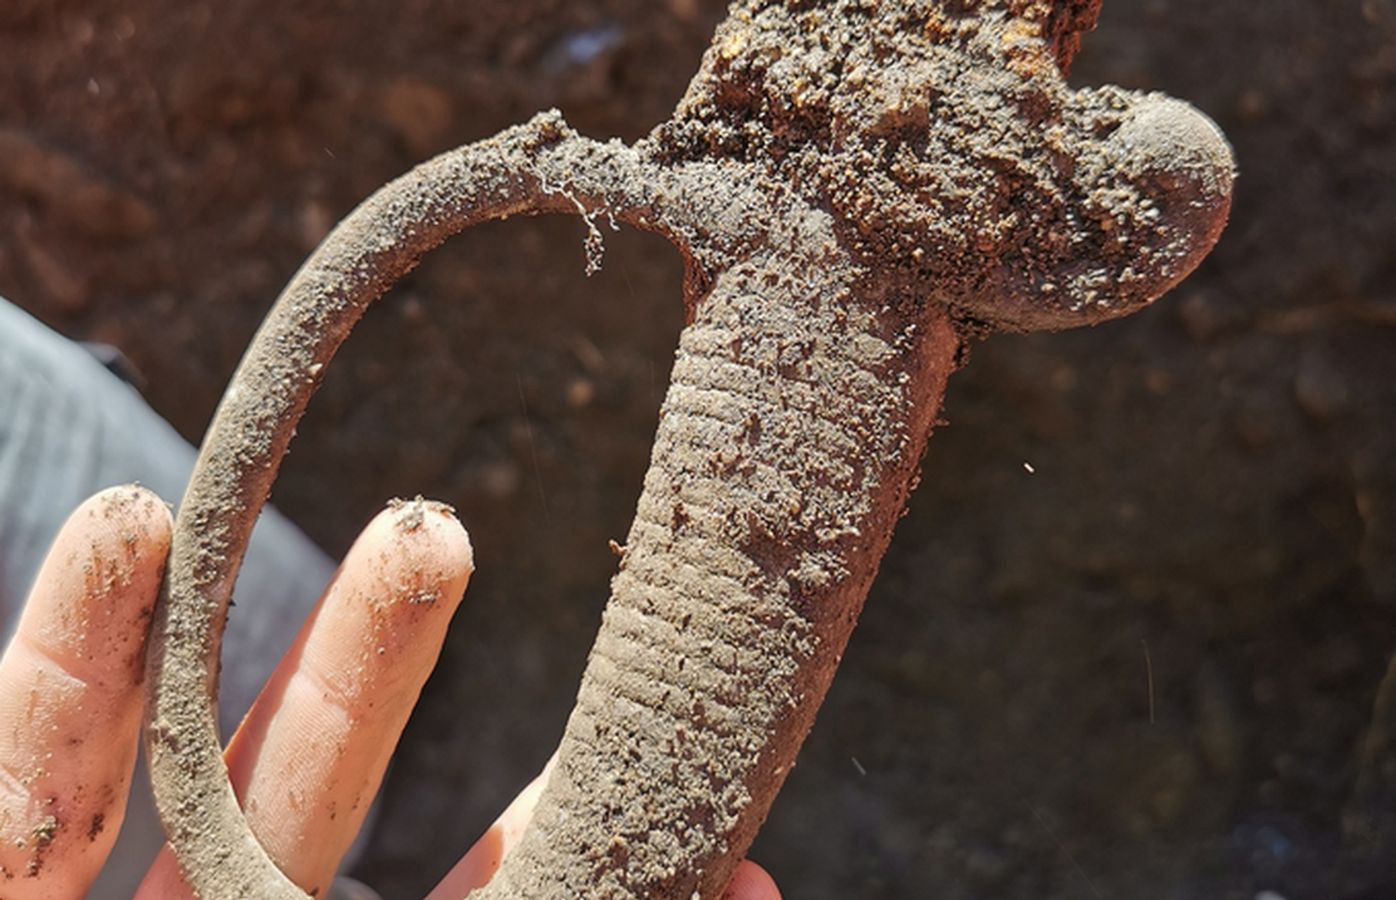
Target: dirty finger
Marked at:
309, 757
70, 694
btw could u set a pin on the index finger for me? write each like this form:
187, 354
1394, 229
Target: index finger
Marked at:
70, 694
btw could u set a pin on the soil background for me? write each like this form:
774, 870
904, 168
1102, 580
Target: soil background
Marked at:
1128, 641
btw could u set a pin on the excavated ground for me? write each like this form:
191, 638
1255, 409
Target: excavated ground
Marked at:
1129, 638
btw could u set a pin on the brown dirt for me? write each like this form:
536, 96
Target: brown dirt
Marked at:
1211, 490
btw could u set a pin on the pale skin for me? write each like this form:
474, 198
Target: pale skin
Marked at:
309, 757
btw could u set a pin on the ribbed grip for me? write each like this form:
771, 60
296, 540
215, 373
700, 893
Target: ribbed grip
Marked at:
794, 420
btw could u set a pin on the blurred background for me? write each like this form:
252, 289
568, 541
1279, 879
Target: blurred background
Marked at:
1129, 640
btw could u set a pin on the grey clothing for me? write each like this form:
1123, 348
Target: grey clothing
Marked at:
68, 428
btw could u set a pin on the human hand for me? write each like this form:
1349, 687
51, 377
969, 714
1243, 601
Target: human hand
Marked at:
311, 753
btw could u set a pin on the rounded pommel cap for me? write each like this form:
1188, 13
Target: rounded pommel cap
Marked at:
1146, 201
1179, 160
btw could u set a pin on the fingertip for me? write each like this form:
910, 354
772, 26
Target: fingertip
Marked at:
130, 518
411, 564
428, 530
97, 587
386, 611
751, 882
